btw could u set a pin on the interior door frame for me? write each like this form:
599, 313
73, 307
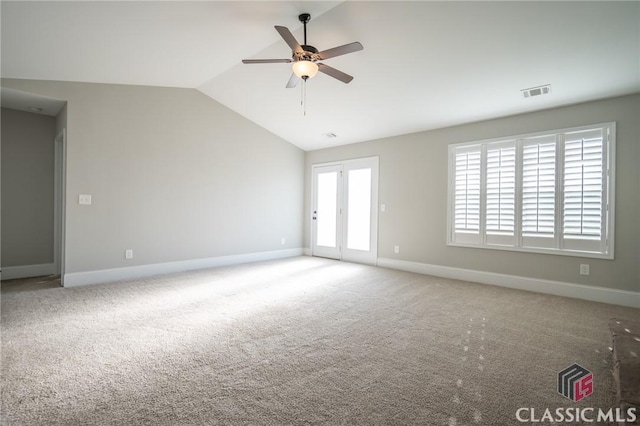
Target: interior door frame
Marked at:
59, 212
370, 257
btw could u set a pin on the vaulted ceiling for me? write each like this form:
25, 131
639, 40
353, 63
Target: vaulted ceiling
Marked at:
425, 65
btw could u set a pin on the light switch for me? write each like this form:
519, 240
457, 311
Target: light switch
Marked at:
383, 207
84, 199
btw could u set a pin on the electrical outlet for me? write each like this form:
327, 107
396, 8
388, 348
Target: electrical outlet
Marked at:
128, 254
584, 269
396, 249
84, 199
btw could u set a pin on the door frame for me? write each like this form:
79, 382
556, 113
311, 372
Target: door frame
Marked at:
59, 209
371, 257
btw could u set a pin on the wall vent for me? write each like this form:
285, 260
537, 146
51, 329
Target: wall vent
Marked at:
536, 91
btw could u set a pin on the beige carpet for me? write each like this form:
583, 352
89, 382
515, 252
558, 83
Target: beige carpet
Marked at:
295, 341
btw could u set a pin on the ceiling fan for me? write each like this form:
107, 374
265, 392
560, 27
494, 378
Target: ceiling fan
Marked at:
306, 59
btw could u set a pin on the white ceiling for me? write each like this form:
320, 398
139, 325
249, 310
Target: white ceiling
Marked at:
425, 65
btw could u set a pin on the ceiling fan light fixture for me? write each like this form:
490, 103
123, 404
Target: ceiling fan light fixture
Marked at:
305, 69
306, 58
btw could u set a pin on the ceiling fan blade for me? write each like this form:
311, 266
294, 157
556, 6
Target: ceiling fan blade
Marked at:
289, 38
340, 50
293, 81
345, 78
266, 61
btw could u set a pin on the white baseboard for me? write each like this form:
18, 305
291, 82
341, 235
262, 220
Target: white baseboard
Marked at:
75, 279
27, 271
558, 288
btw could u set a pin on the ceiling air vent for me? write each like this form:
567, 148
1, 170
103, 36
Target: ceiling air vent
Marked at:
536, 91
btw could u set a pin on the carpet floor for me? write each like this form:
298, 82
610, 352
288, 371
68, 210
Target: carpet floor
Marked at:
296, 341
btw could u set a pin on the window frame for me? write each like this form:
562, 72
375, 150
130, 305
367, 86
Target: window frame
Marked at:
608, 194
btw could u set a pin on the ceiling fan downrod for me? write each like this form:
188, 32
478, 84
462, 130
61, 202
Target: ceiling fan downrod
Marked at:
308, 51
304, 18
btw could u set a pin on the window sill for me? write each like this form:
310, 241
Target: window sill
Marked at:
574, 253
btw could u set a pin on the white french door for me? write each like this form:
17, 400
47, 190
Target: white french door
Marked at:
326, 223
344, 210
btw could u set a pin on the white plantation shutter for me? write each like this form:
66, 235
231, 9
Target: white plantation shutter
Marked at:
467, 195
548, 192
539, 191
583, 189
500, 193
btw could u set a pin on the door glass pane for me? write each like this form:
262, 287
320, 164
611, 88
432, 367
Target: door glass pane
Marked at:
326, 213
359, 209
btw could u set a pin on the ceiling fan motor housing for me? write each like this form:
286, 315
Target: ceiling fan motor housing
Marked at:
309, 53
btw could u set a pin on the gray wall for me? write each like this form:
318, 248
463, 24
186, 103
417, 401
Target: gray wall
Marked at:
413, 185
174, 176
27, 188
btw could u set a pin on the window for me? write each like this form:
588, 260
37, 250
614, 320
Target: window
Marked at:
549, 192
467, 191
